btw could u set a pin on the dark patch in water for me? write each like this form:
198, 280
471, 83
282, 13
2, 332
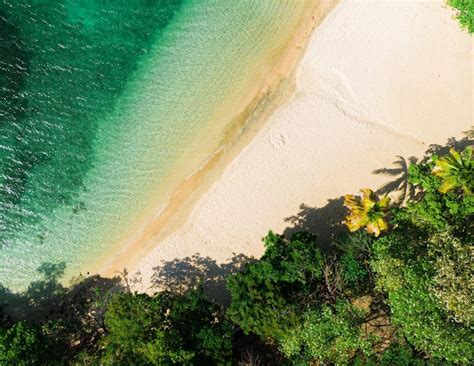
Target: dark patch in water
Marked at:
62, 66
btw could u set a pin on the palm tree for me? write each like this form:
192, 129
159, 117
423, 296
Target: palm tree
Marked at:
368, 211
456, 170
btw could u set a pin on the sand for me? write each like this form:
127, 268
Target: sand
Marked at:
379, 83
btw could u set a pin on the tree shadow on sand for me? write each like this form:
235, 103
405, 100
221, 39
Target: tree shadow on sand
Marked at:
452, 142
179, 275
77, 310
399, 188
325, 222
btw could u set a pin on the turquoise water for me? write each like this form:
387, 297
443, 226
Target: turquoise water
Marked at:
105, 106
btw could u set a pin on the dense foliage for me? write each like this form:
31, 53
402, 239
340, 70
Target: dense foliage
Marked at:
399, 295
327, 334
21, 343
465, 13
166, 329
297, 295
425, 264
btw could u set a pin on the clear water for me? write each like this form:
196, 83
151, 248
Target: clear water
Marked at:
105, 106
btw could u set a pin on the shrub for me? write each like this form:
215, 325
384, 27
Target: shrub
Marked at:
328, 334
465, 13
398, 353
453, 279
433, 210
297, 298
21, 345
268, 295
166, 329
408, 280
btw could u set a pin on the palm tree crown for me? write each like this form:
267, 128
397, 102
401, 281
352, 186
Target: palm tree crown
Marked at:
368, 211
456, 170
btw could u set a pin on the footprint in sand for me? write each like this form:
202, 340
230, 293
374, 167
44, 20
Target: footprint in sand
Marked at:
278, 141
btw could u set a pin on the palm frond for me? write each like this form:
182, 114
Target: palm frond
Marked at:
368, 211
456, 171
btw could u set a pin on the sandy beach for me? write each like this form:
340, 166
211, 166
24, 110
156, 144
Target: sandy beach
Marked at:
379, 83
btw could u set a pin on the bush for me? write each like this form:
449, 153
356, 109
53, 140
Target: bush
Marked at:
297, 298
415, 308
434, 211
453, 276
64, 321
166, 329
327, 334
268, 295
465, 13
398, 353
21, 345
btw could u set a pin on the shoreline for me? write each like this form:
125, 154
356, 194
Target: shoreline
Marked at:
264, 99
355, 110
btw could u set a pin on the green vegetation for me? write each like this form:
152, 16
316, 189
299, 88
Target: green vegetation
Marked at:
327, 334
20, 342
456, 171
369, 211
269, 296
425, 264
166, 329
465, 13
396, 289
296, 296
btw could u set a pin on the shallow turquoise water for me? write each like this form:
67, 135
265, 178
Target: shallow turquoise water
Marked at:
105, 106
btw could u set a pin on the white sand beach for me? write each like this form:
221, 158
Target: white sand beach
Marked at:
380, 80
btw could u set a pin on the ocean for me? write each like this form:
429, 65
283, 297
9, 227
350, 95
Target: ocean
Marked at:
106, 106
